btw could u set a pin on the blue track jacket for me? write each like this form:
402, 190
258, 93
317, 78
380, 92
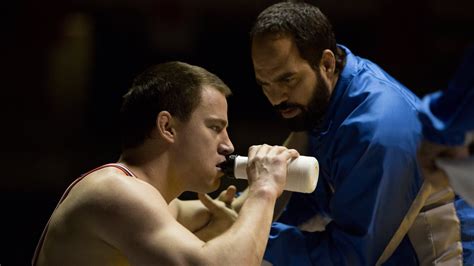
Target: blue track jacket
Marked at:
368, 176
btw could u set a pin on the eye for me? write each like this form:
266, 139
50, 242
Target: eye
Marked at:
290, 81
216, 128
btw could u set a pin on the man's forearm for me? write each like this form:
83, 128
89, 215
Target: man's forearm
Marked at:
250, 232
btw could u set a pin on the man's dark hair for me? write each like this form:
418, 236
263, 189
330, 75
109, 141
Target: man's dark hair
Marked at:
174, 87
309, 27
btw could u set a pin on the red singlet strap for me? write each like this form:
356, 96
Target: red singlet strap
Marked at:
66, 192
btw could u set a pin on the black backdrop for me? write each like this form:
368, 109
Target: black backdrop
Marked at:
67, 63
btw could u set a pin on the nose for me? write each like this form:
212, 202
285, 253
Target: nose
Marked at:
226, 147
276, 94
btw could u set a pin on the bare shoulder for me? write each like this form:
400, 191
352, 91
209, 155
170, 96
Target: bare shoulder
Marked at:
109, 191
108, 202
111, 186
106, 216
131, 216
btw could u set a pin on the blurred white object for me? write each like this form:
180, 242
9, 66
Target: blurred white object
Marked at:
460, 173
302, 177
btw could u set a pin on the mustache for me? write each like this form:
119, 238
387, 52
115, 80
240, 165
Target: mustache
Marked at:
287, 105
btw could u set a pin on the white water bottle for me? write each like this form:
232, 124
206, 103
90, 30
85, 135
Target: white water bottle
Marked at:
302, 176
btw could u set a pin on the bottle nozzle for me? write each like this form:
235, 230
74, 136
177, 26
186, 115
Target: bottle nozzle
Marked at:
228, 166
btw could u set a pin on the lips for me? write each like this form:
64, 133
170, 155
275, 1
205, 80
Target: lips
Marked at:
220, 165
289, 112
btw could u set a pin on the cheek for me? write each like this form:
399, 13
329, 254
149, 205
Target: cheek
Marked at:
274, 94
304, 92
203, 147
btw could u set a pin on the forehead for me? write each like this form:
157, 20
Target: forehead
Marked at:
213, 104
273, 54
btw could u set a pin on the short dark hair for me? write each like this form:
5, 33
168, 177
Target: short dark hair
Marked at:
174, 87
310, 28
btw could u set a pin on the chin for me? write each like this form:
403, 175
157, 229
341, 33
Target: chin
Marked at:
215, 184
208, 186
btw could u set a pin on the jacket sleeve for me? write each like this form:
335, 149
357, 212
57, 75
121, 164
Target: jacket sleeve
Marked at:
448, 114
375, 178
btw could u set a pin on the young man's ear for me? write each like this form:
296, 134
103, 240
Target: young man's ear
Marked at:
165, 125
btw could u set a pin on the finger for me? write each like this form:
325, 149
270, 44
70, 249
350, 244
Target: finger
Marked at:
208, 202
252, 151
289, 154
227, 196
228, 193
293, 154
231, 191
222, 195
276, 150
263, 151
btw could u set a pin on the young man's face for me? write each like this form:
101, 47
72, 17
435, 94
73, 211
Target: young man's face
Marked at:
203, 142
293, 87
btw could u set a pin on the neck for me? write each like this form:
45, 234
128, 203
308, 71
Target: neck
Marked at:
155, 170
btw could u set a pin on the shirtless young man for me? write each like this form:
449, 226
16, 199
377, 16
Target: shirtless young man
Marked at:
174, 121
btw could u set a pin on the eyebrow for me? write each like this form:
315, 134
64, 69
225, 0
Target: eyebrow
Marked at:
279, 78
259, 82
221, 122
285, 76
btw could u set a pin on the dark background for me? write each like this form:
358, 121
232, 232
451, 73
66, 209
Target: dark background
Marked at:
67, 63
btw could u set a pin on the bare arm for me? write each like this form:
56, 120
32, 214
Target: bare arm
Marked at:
192, 214
140, 224
206, 218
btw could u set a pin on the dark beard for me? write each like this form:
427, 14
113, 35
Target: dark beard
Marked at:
311, 116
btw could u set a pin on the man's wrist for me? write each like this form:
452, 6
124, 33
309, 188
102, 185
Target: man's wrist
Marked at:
266, 192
